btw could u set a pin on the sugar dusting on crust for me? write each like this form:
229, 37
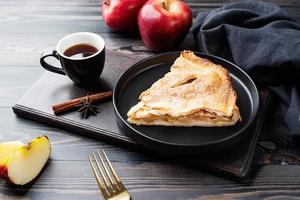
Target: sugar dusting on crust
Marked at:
157, 105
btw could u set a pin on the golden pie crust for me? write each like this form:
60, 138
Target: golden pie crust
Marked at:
196, 92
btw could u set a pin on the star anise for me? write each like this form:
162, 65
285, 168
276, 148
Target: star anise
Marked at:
86, 108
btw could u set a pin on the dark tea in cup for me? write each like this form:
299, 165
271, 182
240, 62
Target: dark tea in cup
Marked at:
81, 51
81, 55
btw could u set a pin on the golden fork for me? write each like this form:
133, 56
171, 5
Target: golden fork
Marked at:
114, 189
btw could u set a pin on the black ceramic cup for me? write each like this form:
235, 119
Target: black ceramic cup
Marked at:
82, 71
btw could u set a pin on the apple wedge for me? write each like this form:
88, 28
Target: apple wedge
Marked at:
27, 161
6, 148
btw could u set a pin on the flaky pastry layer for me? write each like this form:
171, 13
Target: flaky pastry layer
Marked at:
196, 92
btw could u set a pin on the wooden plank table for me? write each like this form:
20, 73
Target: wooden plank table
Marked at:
29, 27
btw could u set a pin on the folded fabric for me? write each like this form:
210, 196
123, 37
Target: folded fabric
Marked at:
262, 39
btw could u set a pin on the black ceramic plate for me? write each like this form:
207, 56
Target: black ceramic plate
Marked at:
181, 140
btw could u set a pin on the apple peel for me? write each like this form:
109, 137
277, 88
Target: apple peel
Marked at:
26, 162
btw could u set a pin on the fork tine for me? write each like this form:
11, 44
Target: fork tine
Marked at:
106, 171
101, 187
113, 171
108, 185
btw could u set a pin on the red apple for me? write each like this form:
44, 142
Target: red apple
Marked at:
163, 24
121, 15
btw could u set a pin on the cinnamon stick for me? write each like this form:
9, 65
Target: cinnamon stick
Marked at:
71, 104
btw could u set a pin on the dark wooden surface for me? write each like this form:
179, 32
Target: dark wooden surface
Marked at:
51, 88
29, 27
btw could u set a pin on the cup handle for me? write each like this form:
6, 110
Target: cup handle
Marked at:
48, 66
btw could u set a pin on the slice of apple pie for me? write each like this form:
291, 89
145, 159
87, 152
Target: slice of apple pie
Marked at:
196, 92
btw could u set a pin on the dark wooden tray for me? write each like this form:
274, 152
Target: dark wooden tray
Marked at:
52, 88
